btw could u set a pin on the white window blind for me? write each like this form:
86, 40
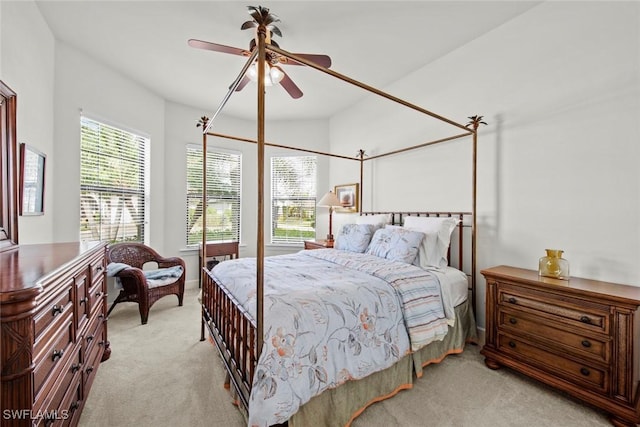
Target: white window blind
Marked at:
293, 199
223, 195
112, 183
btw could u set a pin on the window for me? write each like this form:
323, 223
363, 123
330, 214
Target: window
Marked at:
223, 195
293, 199
113, 181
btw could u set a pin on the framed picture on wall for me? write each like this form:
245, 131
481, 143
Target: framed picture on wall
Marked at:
348, 196
31, 195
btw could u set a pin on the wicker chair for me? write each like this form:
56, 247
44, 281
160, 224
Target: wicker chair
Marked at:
135, 286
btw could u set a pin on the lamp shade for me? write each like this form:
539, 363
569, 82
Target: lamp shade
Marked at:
330, 200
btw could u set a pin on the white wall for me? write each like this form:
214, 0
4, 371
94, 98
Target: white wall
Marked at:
84, 85
27, 67
557, 165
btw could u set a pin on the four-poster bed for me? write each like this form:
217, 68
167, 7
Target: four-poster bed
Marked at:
249, 345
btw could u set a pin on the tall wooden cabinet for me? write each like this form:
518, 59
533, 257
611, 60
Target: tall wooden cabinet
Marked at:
53, 330
580, 336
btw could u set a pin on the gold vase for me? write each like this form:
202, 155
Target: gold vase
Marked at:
553, 265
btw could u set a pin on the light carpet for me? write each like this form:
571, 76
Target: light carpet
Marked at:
161, 374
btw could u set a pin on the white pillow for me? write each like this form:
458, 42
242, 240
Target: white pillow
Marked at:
434, 247
379, 220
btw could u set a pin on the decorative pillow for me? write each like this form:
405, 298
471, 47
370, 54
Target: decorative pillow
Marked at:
433, 250
396, 244
379, 220
354, 237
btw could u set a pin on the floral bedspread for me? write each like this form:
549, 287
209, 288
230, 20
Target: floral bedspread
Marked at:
325, 325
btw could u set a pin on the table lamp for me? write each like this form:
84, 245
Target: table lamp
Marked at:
329, 200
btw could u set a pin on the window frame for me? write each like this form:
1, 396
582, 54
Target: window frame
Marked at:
311, 198
139, 196
197, 196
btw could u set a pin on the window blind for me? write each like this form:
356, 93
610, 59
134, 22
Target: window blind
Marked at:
223, 195
293, 199
112, 183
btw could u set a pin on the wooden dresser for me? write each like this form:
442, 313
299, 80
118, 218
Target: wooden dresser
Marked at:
580, 336
53, 330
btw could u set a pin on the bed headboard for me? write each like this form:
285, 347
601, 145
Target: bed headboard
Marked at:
460, 253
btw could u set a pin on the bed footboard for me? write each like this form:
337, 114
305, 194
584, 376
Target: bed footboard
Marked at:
234, 333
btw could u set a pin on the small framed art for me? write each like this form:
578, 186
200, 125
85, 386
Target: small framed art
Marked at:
348, 196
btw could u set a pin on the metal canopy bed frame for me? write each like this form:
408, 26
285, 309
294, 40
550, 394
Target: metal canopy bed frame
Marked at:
238, 337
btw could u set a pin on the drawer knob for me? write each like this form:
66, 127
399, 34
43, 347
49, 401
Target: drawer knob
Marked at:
89, 369
98, 294
99, 268
586, 343
585, 319
57, 309
90, 338
83, 300
75, 368
512, 300
57, 354
513, 320
75, 405
512, 344
584, 371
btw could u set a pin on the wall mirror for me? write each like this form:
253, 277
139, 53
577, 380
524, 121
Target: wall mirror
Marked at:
31, 180
8, 170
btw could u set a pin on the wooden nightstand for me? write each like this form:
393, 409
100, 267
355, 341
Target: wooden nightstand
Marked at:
317, 244
580, 336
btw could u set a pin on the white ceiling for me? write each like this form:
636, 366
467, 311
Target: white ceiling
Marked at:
375, 42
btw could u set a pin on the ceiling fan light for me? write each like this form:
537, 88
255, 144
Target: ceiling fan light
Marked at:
276, 74
272, 75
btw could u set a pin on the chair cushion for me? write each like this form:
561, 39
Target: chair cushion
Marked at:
162, 276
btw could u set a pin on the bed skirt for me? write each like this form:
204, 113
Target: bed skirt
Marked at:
341, 405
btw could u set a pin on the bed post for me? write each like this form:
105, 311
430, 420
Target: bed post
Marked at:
475, 123
361, 157
203, 123
261, 33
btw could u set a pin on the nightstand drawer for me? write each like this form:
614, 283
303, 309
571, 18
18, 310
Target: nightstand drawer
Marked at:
589, 316
519, 323
585, 374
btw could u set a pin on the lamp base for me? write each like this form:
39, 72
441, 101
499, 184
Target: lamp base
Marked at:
329, 238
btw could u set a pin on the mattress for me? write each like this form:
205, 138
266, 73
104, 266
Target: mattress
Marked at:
454, 286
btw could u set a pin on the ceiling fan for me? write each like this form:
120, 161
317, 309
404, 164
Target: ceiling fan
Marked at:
273, 74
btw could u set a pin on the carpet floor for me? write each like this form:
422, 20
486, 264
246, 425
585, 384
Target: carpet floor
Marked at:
161, 374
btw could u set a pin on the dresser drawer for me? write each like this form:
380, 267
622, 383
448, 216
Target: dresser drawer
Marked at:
53, 354
82, 285
576, 372
93, 361
518, 322
588, 315
97, 269
49, 401
60, 305
67, 409
93, 337
96, 295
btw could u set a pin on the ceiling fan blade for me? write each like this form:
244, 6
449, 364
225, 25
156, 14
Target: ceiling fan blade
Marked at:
200, 44
290, 86
322, 60
243, 83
